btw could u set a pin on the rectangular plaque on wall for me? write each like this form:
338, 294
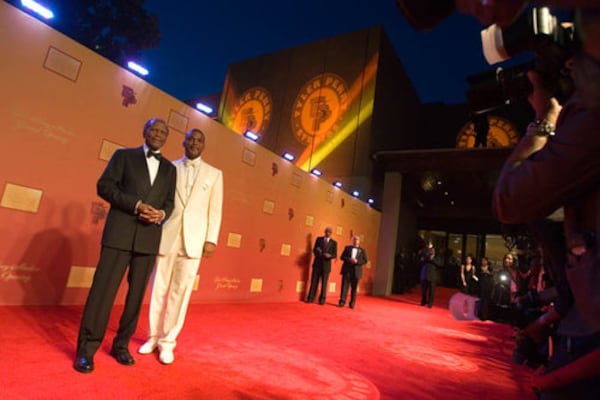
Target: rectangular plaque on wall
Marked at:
234, 240
296, 179
178, 121
80, 277
332, 287
107, 148
256, 285
62, 64
21, 198
286, 250
249, 157
309, 220
330, 196
268, 207
300, 285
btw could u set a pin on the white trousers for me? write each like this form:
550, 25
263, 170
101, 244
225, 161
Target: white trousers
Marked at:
171, 291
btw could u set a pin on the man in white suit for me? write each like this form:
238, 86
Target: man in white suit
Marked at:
190, 234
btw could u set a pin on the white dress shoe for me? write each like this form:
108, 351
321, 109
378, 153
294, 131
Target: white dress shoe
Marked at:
166, 357
148, 347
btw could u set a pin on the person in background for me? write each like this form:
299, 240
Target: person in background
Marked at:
139, 185
428, 277
468, 276
486, 279
354, 257
324, 250
189, 235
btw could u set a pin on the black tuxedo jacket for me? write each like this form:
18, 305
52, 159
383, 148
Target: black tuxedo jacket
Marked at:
124, 182
318, 251
348, 267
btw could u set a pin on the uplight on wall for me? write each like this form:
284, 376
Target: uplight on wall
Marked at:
288, 156
337, 184
316, 172
204, 108
38, 9
371, 201
137, 68
252, 136
355, 193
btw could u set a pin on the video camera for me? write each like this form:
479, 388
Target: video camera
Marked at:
537, 31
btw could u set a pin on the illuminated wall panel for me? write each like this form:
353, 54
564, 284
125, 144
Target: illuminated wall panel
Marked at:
65, 110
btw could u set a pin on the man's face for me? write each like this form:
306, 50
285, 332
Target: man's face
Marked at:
327, 232
156, 135
194, 145
355, 241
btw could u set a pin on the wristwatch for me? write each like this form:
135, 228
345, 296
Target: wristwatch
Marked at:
541, 127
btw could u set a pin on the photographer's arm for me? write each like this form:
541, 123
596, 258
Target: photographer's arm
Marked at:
586, 367
547, 110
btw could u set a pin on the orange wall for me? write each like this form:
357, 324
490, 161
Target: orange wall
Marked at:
63, 114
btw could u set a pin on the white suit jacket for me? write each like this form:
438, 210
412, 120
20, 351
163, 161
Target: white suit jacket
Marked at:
199, 215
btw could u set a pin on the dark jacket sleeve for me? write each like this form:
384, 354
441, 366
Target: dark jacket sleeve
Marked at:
114, 184
564, 169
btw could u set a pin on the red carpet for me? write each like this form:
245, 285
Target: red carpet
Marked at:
387, 348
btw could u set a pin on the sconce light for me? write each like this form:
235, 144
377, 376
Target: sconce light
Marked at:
371, 201
204, 108
252, 136
137, 68
355, 193
316, 172
288, 156
38, 9
337, 184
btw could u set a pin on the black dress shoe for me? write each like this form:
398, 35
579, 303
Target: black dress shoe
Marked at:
122, 356
321, 302
308, 301
352, 306
340, 304
84, 365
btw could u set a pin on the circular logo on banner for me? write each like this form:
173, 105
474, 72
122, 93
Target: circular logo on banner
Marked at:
318, 107
253, 111
501, 133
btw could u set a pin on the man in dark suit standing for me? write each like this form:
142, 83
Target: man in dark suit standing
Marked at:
139, 184
428, 277
354, 257
325, 250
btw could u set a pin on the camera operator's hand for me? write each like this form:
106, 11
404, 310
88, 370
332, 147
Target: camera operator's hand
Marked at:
540, 329
546, 107
547, 110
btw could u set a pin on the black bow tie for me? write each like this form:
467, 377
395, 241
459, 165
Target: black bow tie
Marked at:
154, 154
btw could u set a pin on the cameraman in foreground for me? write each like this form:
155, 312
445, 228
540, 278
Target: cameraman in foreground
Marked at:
562, 170
556, 164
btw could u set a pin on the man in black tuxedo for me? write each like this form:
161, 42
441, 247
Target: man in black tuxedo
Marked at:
325, 250
139, 184
354, 257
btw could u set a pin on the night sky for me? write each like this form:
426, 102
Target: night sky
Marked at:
199, 39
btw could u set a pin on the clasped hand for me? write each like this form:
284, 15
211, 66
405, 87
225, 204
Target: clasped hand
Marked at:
149, 214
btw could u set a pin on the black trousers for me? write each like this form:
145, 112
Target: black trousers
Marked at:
349, 279
108, 276
427, 292
319, 274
